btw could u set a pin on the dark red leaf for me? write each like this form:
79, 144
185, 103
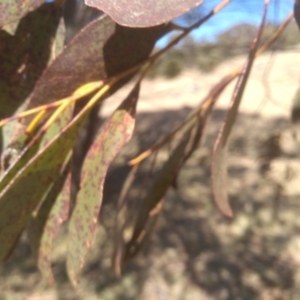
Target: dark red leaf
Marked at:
44, 226
102, 49
113, 135
143, 13
20, 197
121, 222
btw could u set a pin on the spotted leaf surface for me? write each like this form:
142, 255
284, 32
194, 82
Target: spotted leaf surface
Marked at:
100, 50
113, 135
45, 225
219, 168
20, 198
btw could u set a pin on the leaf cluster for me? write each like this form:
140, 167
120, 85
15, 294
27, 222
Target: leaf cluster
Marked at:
50, 84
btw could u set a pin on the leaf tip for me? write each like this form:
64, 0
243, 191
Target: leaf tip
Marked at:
223, 206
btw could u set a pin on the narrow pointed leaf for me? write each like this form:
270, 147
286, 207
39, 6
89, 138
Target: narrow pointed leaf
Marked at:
42, 232
145, 235
45, 225
154, 199
19, 198
121, 222
36, 224
156, 193
202, 113
58, 42
207, 104
113, 135
143, 13
219, 169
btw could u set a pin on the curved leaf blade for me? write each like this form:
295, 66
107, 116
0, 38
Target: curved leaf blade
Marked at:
19, 198
113, 135
143, 13
44, 227
155, 195
297, 12
102, 43
218, 167
121, 222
